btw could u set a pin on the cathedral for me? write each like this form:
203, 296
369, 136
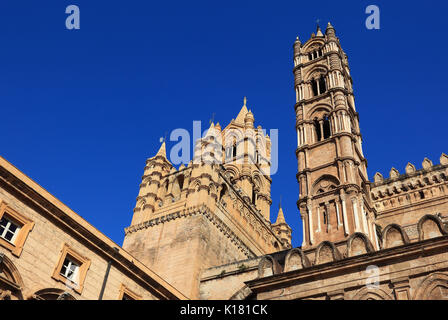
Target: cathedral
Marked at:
203, 231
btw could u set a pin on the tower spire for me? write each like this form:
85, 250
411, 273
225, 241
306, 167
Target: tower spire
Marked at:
162, 149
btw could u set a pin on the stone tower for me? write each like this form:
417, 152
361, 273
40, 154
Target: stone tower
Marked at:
334, 199
212, 212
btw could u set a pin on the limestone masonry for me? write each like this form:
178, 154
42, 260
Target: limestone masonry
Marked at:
203, 231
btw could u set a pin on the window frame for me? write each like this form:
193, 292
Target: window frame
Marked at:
126, 291
83, 266
24, 224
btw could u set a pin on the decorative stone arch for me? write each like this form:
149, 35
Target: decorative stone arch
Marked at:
358, 244
325, 183
52, 294
295, 260
318, 111
268, 266
258, 181
316, 72
163, 189
232, 135
11, 283
242, 294
232, 171
372, 294
313, 45
212, 189
141, 203
393, 236
326, 252
433, 287
430, 226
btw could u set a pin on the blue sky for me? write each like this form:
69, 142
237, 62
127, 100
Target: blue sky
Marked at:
83, 109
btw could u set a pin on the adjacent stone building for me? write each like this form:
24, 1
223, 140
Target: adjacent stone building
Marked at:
48, 252
203, 231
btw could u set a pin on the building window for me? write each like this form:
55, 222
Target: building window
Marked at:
126, 294
8, 229
327, 129
14, 229
315, 54
70, 270
319, 85
72, 267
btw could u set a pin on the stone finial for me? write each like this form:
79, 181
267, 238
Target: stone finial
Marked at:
394, 173
182, 167
410, 168
427, 163
378, 177
319, 32
297, 39
443, 159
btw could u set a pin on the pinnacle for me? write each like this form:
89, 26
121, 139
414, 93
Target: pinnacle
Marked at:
280, 217
162, 150
242, 113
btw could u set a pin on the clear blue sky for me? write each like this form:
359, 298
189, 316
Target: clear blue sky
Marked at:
82, 110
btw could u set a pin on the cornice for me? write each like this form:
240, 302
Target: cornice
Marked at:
198, 210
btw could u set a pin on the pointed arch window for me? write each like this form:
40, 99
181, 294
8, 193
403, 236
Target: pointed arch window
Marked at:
319, 85
254, 196
327, 129
317, 130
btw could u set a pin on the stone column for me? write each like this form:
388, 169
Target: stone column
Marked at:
355, 213
344, 214
310, 224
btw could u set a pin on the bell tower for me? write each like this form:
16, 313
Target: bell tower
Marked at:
334, 197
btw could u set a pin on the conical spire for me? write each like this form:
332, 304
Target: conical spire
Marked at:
330, 30
280, 216
319, 32
162, 150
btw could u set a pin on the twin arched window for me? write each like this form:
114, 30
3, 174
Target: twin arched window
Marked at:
319, 85
322, 128
315, 54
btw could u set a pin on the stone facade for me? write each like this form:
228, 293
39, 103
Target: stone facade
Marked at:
31, 262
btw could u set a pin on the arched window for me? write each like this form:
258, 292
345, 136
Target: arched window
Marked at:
315, 88
254, 195
319, 85
234, 148
327, 130
322, 85
317, 130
